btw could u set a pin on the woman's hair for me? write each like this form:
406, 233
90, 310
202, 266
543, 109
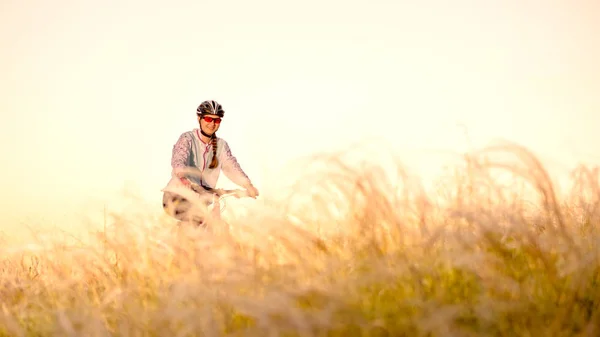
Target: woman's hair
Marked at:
214, 161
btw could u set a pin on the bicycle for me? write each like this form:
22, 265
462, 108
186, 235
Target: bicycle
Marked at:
197, 205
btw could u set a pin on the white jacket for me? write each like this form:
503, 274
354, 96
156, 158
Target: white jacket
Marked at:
191, 153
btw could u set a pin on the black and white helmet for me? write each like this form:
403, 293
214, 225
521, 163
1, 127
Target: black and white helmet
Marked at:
210, 107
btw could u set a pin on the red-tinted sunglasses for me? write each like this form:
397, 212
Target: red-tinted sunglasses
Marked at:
210, 119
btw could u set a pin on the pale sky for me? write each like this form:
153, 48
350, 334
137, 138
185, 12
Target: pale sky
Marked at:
95, 93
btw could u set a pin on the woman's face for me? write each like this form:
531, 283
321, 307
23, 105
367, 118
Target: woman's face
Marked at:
209, 123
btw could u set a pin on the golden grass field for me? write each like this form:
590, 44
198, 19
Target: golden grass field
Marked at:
349, 252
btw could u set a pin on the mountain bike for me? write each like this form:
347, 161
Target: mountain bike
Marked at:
196, 205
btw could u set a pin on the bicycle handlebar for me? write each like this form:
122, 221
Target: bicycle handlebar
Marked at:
239, 193
220, 193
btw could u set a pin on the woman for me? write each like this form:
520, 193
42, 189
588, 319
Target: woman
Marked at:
198, 157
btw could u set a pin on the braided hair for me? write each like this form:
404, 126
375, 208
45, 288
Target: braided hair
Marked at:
214, 161
211, 107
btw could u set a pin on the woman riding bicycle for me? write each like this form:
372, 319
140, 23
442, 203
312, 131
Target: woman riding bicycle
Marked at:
197, 159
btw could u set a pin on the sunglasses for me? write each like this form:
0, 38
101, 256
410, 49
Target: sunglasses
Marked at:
210, 119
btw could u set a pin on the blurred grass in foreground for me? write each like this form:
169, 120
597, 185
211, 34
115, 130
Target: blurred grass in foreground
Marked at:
351, 252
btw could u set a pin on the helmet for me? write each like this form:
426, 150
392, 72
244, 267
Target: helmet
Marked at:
210, 107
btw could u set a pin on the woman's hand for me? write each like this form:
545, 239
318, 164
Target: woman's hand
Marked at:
252, 191
185, 181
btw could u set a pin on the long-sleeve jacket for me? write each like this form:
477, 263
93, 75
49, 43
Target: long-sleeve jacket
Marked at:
191, 151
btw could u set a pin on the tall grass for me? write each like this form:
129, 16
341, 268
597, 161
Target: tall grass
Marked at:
495, 251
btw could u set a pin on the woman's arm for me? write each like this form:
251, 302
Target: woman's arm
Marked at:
232, 168
180, 155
